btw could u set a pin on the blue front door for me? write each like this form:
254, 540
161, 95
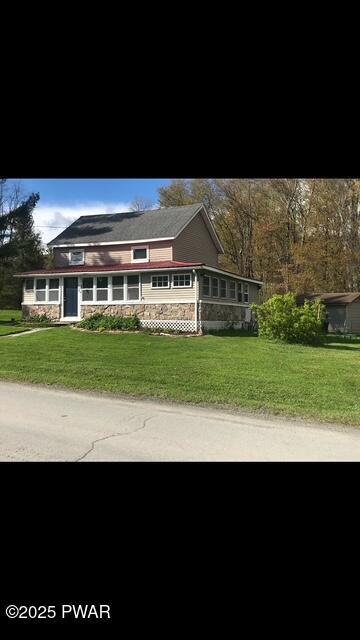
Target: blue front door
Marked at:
70, 297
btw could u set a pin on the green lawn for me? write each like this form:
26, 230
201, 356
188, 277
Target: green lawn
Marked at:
320, 383
6, 315
6, 330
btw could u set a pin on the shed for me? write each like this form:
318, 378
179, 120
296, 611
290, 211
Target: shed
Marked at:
343, 310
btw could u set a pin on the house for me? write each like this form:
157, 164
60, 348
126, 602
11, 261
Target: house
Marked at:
160, 264
343, 310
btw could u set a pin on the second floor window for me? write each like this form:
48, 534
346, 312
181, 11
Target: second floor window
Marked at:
223, 288
76, 257
246, 292
140, 254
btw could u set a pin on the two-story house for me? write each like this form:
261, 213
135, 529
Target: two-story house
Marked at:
160, 264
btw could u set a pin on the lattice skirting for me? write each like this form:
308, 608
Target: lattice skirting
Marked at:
177, 325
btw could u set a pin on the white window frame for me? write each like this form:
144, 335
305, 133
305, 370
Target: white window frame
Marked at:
232, 282
217, 279
32, 288
87, 289
226, 289
82, 261
206, 295
57, 301
129, 275
96, 288
144, 246
182, 286
160, 275
117, 287
46, 290
246, 292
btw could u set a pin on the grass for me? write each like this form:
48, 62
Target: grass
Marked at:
6, 330
241, 372
6, 315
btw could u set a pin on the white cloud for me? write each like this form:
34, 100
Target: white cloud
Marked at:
49, 216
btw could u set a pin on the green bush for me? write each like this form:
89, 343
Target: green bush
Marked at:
39, 318
101, 322
279, 318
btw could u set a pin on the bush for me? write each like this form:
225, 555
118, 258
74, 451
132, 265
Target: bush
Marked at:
101, 322
279, 318
39, 318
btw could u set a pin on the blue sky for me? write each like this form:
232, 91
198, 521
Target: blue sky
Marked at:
64, 200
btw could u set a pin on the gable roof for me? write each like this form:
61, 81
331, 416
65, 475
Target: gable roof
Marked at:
133, 226
332, 298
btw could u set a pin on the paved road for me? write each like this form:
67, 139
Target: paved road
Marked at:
43, 424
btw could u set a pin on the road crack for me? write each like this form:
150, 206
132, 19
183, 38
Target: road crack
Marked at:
114, 435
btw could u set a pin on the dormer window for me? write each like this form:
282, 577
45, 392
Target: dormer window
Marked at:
140, 254
76, 257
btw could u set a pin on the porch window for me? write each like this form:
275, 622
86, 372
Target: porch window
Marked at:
118, 288
240, 291
159, 281
215, 287
29, 284
76, 257
246, 292
53, 289
182, 280
40, 295
206, 286
223, 288
87, 289
133, 288
101, 289
232, 293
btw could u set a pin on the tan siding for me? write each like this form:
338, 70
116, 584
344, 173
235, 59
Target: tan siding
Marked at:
173, 294
195, 244
115, 254
28, 297
353, 317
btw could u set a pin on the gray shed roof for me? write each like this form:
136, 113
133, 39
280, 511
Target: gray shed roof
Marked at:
133, 225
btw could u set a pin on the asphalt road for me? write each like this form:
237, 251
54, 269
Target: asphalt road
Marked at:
41, 424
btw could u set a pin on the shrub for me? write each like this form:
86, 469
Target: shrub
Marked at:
39, 318
279, 318
102, 322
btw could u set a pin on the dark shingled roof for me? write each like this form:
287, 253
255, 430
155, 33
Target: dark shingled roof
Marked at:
331, 298
131, 226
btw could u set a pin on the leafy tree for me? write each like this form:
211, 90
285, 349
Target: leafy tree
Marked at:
20, 246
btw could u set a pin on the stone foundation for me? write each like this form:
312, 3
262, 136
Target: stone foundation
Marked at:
171, 311
222, 312
52, 311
